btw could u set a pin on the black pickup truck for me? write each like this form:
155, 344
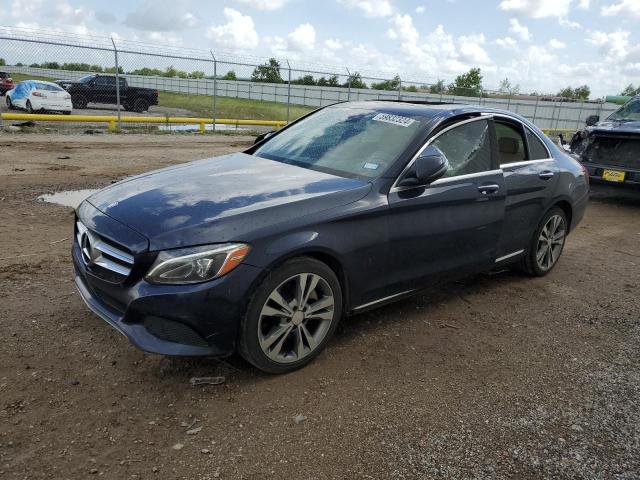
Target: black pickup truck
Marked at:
610, 149
102, 89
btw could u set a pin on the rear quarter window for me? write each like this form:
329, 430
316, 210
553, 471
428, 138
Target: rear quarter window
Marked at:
537, 151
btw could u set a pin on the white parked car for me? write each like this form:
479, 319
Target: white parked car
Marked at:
38, 96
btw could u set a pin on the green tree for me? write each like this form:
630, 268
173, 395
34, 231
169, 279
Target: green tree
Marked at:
113, 70
507, 87
304, 80
629, 91
579, 93
438, 87
230, 75
2, 62
392, 84
468, 84
150, 72
269, 72
411, 88
356, 81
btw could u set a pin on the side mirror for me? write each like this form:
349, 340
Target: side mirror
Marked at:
263, 136
592, 120
428, 167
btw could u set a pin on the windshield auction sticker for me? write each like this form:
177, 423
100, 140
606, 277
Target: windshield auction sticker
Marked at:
394, 119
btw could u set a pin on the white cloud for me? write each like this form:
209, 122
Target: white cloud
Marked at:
630, 7
371, 8
333, 44
541, 8
420, 9
302, 38
518, 29
506, 42
556, 44
160, 16
612, 46
403, 29
238, 33
471, 51
266, 5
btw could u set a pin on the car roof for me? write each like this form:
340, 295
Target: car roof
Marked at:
41, 81
437, 111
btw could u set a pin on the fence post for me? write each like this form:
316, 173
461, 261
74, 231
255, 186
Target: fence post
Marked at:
535, 110
348, 84
579, 115
115, 51
400, 90
215, 89
289, 92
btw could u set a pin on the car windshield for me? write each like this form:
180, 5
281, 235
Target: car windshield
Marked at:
630, 111
86, 79
347, 141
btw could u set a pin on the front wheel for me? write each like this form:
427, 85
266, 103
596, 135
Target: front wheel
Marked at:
292, 316
79, 101
547, 244
9, 103
29, 107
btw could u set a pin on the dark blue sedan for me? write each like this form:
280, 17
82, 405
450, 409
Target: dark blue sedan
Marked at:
351, 207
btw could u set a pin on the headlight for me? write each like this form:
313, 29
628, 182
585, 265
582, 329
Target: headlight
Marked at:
196, 264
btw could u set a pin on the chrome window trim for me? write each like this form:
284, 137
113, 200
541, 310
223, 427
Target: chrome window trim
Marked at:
442, 180
550, 157
525, 162
396, 188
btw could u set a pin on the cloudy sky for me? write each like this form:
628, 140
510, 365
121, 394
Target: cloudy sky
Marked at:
541, 45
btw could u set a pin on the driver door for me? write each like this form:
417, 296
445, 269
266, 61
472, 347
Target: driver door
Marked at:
452, 226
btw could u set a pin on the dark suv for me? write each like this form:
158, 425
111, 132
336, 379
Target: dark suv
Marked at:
353, 206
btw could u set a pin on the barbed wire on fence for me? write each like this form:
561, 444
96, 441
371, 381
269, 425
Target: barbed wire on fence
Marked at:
184, 75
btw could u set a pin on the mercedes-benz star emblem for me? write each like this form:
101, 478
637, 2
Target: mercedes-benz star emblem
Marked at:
86, 249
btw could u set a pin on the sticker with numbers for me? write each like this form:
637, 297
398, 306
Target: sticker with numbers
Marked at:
394, 119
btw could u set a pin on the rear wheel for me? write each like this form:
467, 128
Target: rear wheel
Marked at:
140, 105
29, 106
292, 316
9, 103
547, 244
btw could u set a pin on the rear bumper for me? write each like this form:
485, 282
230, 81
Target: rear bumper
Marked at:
181, 320
632, 176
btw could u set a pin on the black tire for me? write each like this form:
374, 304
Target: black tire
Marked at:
79, 101
67, 112
530, 263
29, 107
9, 103
140, 105
251, 328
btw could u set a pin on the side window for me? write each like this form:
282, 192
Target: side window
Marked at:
537, 150
467, 148
106, 81
510, 143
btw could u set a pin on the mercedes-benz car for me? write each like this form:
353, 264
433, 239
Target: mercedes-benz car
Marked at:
350, 207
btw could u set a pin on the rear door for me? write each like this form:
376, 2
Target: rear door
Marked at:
452, 226
105, 89
530, 176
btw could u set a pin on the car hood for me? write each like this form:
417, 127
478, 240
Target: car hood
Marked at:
235, 197
616, 127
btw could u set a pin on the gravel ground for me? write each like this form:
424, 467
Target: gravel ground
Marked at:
496, 376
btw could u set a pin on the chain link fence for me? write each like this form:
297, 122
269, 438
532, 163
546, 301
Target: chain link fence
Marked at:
120, 77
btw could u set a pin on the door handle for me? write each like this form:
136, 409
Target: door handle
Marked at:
486, 189
546, 175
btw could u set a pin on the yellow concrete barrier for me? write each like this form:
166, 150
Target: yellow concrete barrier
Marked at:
112, 120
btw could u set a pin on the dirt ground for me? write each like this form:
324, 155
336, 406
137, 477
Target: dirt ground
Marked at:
498, 376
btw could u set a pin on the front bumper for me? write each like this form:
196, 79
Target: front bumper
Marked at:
174, 320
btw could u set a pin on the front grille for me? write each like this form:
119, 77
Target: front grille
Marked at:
101, 256
615, 151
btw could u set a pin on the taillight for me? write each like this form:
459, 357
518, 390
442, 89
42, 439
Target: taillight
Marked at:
585, 170
39, 94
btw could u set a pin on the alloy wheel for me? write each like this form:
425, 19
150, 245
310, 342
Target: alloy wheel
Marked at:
550, 242
296, 318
